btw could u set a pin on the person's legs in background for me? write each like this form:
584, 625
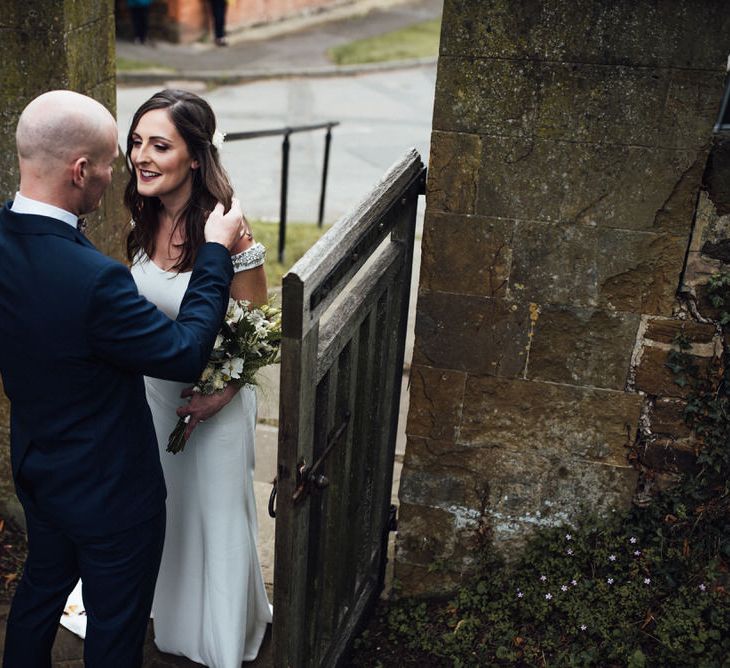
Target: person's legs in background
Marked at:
218, 7
139, 23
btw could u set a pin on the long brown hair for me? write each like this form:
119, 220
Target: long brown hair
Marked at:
194, 120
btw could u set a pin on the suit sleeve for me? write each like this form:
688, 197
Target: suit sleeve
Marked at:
130, 332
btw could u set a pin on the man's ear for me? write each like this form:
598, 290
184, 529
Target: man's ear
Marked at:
79, 171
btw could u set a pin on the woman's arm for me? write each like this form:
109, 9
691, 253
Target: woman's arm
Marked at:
250, 285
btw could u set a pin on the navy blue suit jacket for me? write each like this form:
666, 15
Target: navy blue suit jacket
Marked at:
75, 339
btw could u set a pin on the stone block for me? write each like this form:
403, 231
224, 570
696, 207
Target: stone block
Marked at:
91, 54
582, 346
453, 172
666, 330
654, 377
558, 490
432, 554
83, 13
595, 184
575, 102
424, 454
639, 273
560, 421
466, 254
666, 454
646, 34
439, 487
511, 493
666, 416
554, 263
474, 334
436, 397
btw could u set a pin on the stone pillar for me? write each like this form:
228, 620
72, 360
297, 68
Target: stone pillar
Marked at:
46, 45
568, 146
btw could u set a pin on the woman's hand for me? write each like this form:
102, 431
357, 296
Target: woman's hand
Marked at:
203, 406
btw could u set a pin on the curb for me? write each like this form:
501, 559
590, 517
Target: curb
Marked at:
231, 77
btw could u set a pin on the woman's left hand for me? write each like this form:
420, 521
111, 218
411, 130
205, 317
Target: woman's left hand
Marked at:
203, 406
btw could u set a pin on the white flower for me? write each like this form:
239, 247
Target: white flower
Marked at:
564, 588
543, 578
548, 596
612, 557
233, 368
569, 552
632, 540
218, 138
520, 594
647, 581
568, 536
702, 587
574, 582
610, 581
583, 627
637, 553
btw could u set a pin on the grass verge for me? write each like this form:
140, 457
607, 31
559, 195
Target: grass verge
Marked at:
420, 40
299, 239
131, 65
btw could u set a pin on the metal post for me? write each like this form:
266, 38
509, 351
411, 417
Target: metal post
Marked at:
325, 167
284, 187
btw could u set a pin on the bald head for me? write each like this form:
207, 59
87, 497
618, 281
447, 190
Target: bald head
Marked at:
62, 125
67, 144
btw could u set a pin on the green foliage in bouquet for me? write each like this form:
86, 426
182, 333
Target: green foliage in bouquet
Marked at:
249, 339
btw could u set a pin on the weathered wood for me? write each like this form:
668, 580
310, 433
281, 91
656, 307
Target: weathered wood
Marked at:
296, 426
343, 238
345, 310
338, 329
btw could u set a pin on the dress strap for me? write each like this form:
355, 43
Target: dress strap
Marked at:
250, 258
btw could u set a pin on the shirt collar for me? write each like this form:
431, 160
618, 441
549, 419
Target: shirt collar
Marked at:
23, 204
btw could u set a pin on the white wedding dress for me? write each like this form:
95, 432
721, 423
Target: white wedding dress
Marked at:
210, 604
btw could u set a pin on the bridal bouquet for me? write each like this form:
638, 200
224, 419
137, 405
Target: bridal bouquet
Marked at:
249, 339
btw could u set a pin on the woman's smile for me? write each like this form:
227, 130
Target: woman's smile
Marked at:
160, 157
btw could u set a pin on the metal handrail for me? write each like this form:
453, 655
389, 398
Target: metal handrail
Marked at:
286, 131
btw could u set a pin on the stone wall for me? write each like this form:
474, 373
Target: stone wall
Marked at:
45, 45
568, 148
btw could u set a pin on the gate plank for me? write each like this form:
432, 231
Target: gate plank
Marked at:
344, 318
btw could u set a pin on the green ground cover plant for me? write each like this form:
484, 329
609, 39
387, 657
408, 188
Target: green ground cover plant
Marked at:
420, 40
648, 587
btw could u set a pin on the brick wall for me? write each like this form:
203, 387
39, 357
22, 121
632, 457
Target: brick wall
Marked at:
188, 20
568, 147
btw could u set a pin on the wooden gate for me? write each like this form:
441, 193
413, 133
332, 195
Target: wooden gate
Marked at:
345, 310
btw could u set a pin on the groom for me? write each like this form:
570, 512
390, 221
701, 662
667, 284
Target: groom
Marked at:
75, 339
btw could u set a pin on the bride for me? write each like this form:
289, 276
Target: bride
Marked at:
210, 603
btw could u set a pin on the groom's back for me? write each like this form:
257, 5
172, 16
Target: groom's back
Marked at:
81, 434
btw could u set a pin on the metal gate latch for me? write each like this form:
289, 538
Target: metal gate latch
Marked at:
308, 477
